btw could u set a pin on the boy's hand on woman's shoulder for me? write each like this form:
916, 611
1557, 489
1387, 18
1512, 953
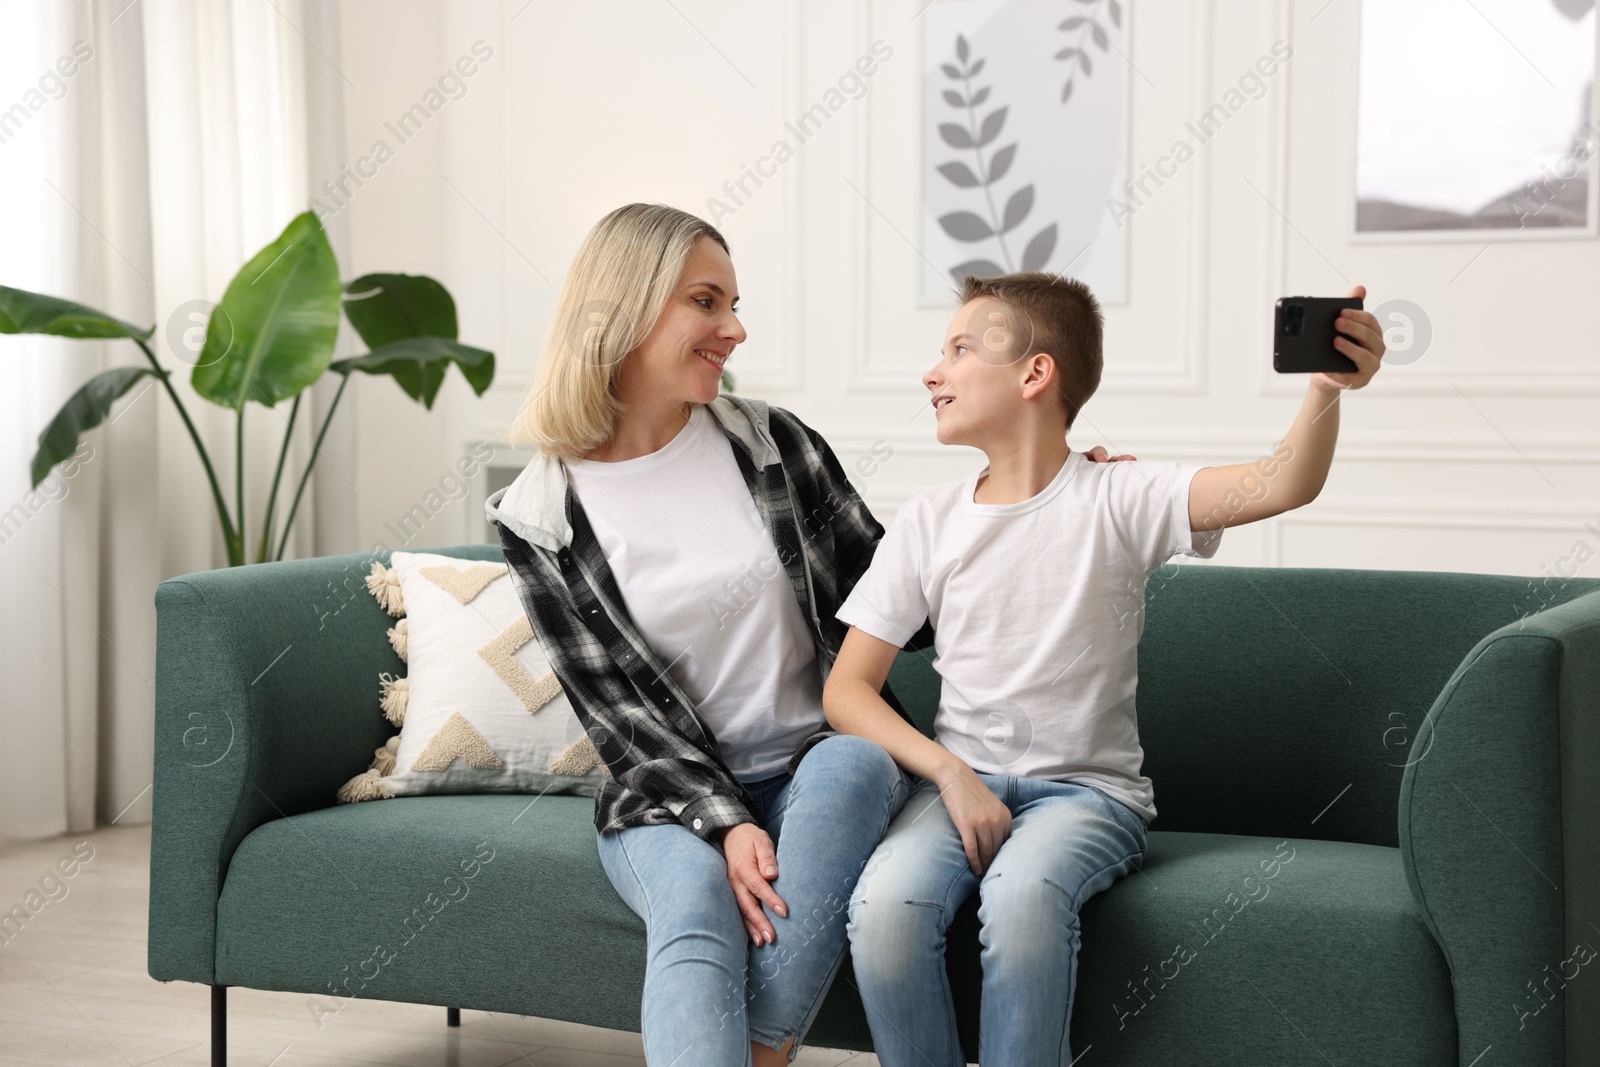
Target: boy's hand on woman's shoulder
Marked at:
1361, 342
1098, 454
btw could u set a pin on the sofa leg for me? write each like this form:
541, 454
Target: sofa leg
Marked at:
219, 1026
452, 1017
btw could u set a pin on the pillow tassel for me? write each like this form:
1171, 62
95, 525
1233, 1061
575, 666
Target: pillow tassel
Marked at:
383, 758
394, 693
384, 584
368, 785
397, 639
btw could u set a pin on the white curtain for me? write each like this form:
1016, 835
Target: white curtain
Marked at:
177, 147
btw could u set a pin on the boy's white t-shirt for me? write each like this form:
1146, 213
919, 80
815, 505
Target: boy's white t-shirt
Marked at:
1037, 608
703, 582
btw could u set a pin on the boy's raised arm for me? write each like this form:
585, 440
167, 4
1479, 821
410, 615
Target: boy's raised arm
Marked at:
1294, 474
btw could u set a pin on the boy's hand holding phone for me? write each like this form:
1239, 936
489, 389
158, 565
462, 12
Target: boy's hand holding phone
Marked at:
1334, 339
1293, 476
1360, 340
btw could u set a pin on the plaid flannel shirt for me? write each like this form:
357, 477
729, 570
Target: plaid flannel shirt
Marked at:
664, 762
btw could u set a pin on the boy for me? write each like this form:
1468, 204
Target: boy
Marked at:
1029, 571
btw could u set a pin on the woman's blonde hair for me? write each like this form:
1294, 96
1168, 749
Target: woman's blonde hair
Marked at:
614, 292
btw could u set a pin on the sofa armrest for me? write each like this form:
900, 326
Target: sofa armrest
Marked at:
266, 702
1500, 835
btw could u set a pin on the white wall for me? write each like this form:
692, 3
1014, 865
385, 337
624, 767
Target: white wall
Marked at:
1480, 456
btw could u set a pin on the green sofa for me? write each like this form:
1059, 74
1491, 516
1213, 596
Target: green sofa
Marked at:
1378, 839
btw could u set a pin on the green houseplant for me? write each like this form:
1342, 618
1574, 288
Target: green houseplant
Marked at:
271, 337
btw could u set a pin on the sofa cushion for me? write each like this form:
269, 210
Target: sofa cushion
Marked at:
308, 899
1329, 959
499, 902
1329, 962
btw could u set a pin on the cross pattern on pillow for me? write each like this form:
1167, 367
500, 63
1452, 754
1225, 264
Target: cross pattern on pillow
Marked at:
500, 653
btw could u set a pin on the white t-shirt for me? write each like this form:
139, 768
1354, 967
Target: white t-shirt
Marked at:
1037, 608
702, 579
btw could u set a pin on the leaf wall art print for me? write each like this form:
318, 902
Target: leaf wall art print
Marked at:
1024, 139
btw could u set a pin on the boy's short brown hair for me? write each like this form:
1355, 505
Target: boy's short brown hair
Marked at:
1058, 316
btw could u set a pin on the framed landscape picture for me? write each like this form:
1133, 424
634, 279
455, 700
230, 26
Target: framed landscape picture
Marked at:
1476, 120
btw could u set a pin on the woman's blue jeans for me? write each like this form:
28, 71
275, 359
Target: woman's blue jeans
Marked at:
1068, 842
708, 991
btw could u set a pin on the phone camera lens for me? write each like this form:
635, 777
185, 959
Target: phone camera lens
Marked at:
1294, 320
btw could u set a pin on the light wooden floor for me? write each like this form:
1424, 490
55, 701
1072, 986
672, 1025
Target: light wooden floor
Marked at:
74, 992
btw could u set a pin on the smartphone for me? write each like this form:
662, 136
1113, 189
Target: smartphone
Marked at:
1303, 333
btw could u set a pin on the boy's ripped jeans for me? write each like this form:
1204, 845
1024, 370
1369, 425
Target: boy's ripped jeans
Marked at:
1068, 842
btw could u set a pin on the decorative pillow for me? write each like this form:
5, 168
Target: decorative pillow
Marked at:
479, 709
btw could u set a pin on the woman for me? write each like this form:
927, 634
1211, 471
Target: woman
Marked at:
681, 556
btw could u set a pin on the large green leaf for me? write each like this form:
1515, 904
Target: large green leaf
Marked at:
86, 409
274, 331
418, 365
25, 312
385, 308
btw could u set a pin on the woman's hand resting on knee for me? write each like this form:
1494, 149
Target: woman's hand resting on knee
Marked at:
752, 864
